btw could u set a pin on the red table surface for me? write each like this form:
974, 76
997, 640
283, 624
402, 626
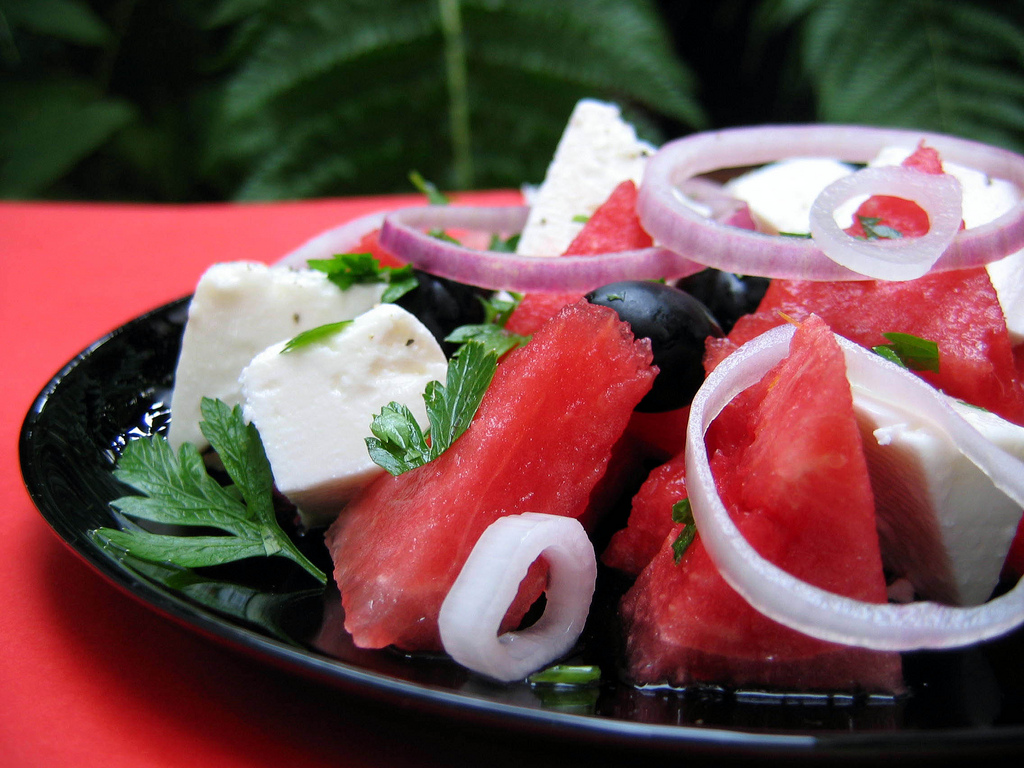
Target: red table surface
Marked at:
89, 676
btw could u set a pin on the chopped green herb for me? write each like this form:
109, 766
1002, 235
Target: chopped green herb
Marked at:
581, 218
313, 335
799, 235
500, 306
875, 230
493, 337
504, 245
440, 234
348, 269
566, 674
491, 333
434, 196
682, 513
176, 490
910, 351
398, 444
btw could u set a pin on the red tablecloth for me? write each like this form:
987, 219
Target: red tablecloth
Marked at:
89, 676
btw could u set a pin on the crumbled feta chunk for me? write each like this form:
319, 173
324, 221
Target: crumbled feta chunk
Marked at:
942, 522
313, 405
238, 310
597, 151
780, 195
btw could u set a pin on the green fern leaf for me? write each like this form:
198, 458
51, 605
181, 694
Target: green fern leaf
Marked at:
952, 67
342, 98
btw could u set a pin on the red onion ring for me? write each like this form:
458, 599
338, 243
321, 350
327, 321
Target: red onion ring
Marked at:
403, 234
341, 239
896, 259
675, 225
475, 606
794, 602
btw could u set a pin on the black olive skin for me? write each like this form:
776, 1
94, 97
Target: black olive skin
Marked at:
443, 305
727, 296
677, 325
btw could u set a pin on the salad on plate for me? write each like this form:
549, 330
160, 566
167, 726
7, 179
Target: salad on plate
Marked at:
785, 408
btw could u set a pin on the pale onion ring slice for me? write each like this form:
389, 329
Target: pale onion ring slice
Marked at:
675, 225
897, 259
404, 235
472, 612
794, 602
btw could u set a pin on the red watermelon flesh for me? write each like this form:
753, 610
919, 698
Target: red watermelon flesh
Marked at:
540, 442
370, 243
614, 226
958, 309
905, 216
686, 626
650, 519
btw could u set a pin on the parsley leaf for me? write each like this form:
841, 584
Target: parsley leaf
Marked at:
682, 513
503, 245
910, 351
398, 444
176, 490
494, 338
875, 230
314, 335
434, 195
491, 333
348, 269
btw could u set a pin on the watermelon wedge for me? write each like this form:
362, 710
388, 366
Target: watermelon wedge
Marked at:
540, 442
798, 488
959, 310
614, 226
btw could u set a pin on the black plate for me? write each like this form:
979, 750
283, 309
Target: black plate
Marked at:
958, 702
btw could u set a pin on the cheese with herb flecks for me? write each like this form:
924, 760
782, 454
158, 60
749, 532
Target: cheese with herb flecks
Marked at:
238, 310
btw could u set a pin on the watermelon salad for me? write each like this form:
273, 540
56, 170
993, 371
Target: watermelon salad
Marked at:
787, 409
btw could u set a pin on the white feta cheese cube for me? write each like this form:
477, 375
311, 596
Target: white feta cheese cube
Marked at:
942, 523
313, 405
238, 310
781, 194
597, 151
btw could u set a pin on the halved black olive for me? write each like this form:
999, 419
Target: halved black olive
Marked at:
443, 305
677, 325
727, 296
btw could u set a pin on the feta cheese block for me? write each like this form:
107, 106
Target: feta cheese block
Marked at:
597, 151
238, 310
942, 523
780, 195
314, 404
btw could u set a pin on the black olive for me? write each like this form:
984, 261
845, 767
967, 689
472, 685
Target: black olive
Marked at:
727, 296
443, 305
677, 325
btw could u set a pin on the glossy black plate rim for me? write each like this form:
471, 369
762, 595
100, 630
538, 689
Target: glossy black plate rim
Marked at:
712, 741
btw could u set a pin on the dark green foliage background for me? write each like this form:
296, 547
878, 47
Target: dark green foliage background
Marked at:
193, 100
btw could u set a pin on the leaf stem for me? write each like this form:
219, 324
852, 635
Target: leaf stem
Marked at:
458, 95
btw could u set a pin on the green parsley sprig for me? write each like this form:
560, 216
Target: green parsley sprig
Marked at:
492, 333
348, 269
399, 445
177, 490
